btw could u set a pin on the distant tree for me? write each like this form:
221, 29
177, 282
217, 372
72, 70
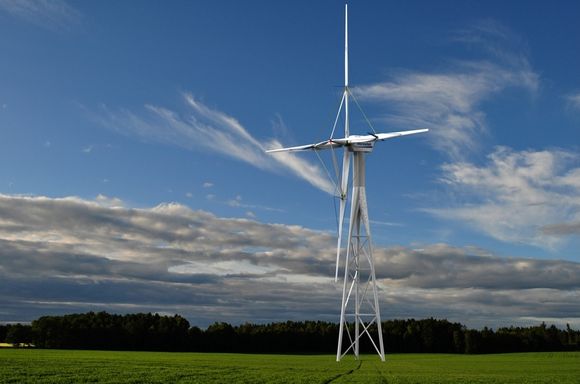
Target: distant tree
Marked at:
472, 341
146, 331
459, 340
105, 331
19, 334
3, 332
221, 337
195, 339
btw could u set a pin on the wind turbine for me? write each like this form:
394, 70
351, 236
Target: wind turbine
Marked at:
357, 308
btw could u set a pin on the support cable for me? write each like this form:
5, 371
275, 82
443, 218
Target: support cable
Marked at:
363, 112
337, 116
336, 186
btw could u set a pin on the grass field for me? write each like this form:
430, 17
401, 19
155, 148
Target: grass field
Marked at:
54, 366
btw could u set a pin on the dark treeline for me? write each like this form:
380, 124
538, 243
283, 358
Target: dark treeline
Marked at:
153, 332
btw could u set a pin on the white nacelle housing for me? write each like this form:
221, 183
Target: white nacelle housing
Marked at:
362, 147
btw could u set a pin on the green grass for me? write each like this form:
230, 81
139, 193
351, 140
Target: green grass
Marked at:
54, 366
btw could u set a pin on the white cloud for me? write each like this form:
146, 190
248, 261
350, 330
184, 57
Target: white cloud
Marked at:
441, 266
498, 41
237, 203
70, 254
205, 128
449, 102
207, 184
51, 14
109, 202
573, 101
222, 268
530, 197
562, 229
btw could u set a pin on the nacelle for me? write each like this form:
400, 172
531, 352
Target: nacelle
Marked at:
361, 147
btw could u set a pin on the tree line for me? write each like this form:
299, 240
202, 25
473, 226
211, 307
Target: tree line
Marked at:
154, 332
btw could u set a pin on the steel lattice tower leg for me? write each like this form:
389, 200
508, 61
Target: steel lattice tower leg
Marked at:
360, 302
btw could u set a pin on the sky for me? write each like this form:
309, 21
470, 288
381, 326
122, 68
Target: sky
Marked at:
133, 176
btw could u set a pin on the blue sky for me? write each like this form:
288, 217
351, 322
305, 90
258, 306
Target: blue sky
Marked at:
132, 158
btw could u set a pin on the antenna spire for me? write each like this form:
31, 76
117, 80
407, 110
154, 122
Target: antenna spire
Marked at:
346, 45
346, 122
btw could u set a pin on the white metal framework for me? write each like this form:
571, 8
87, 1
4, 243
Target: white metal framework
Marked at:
359, 313
360, 301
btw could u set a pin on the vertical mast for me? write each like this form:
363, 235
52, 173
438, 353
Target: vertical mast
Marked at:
346, 122
346, 155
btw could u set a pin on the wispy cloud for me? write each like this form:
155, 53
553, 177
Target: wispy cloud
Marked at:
491, 37
449, 101
61, 255
51, 14
238, 203
530, 197
562, 229
202, 127
573, 101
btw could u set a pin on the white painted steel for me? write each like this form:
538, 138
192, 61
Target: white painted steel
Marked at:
343, 201
348, 140
346, 155
359, 271
346, 48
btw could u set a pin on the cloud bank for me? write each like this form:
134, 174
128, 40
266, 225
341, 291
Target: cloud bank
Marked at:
62, 255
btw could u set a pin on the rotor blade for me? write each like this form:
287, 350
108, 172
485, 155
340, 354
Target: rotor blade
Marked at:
327, 144
292, 149
354, 211
343, 200
334, 143
355, 139
390, 135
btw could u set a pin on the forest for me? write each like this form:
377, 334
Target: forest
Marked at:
154, 332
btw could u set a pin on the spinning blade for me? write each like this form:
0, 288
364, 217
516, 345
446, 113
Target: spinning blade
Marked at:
343, 200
